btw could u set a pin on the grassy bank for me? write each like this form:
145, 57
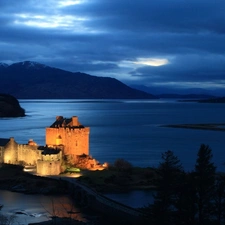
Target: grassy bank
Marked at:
115, 180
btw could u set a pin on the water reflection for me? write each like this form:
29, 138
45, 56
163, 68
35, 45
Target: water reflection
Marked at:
37, 208
135, 198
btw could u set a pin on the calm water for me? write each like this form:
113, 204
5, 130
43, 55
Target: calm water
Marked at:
127, 129
36, 208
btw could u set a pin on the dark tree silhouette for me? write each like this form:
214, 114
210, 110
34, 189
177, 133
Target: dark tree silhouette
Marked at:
170, 173
122, 165
186, 201
219, 201
205, 184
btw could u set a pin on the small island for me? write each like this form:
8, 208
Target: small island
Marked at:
213, 100
207, 100
214, 126
10, 107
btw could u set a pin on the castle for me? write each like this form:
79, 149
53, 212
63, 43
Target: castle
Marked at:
66, 140
69, 135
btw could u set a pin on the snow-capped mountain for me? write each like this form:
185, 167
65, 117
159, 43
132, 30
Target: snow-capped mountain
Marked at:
3, 65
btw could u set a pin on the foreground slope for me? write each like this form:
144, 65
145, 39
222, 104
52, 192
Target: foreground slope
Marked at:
35, 80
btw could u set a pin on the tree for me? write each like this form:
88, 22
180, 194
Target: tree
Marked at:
122, 165
186, 201
219, 201
205, 184
170, 173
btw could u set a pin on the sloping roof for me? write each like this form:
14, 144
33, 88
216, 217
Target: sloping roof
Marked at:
64, 122
61, 122
48, 150
4, 141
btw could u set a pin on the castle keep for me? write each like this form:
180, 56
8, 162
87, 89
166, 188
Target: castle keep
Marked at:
65, 139
70, 135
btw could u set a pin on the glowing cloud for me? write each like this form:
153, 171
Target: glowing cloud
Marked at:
140, 62
69, 3
51, 21
151, 61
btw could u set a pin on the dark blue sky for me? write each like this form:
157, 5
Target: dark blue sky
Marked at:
158, 43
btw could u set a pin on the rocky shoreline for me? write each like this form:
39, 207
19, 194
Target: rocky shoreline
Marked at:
13, 178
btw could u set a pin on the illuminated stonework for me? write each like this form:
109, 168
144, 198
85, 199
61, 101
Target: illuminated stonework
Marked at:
70, 135
65, 139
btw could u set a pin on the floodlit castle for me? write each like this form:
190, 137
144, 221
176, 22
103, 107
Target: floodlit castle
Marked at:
66, 140
69, 135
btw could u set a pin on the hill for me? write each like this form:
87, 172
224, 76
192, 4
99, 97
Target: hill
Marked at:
163, 92
10, 107
27, 80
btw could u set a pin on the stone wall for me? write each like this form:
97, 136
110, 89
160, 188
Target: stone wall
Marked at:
52, 157
75, 140
67, 135
28, 154
1, 154
48, 167
10, 152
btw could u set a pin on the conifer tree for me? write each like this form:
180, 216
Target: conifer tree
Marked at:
219, 201
186, 201
205, 184
169, 174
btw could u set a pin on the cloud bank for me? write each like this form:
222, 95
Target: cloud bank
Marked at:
176, 44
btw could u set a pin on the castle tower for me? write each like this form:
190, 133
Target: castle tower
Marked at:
10, 153
70, 134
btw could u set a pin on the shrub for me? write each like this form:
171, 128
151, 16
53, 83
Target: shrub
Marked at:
123, 165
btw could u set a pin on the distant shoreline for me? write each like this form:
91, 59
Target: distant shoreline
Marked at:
214, 126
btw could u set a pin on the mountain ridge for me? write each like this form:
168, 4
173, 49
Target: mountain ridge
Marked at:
29, 79
171, 94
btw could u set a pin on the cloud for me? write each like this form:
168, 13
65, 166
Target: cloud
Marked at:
189, 70
162, 43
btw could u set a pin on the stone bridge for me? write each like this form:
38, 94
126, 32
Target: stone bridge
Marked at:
87, 197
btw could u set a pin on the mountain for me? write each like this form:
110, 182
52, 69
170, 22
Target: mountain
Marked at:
38, 81
196, 93
187, 96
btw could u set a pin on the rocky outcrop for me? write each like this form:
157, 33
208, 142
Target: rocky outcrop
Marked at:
10, 107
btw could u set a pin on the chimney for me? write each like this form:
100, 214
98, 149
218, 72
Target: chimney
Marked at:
75, 121
59, 118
